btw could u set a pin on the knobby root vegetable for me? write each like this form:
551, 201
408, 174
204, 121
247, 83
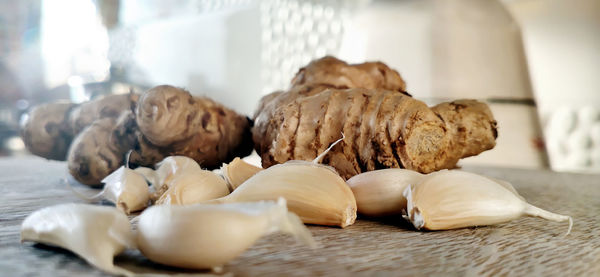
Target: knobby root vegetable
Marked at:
101, 148
384, 129
336, 73
48, 129
167, 121
109, 106
197, 127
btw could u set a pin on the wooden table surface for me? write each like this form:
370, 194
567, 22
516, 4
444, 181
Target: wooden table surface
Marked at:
527, 246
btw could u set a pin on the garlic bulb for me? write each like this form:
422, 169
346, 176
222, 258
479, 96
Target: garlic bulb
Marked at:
452, 199
316, 193
380, 192
206, 236
237, 172
193, 186
95, 233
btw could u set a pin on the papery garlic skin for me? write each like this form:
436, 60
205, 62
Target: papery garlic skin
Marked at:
452, 199
380, 192
316, 193
95, 233
127, 189
193, 186
206, 236
237, 172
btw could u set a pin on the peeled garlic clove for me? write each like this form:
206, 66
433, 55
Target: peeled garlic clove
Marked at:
452, 199
148, 173
95, 233
127, 189
206, 236
194, 186
237, 172
316, 193
172, 166
380, 192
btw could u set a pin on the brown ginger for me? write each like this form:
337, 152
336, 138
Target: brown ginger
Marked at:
383, 128
96, 136
101, 148
339, 74
46, 132
178, 123
48, 129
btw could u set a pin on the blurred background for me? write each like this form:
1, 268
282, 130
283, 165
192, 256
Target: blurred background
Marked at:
535, 62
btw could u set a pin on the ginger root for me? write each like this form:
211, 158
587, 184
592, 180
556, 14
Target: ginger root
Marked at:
109, 106
382, 128
168, 121
48, 129
46, 132
338, 74
197, 127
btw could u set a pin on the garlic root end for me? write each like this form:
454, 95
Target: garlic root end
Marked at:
534, 211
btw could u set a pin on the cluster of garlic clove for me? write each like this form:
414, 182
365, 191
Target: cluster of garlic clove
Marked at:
179, 180
315, 192
442, 200
192, 236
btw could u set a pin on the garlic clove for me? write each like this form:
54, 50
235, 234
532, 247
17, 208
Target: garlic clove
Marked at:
452, 199
207, 236
95, 233
380, 192
316, 193
238, 171
193, 186
127, 189
172, 166
148, 173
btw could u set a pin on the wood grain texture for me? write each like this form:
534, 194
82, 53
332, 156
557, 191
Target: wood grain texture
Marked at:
527, 246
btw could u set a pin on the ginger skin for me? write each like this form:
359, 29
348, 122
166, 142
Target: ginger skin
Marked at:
164, 121
383, 128
109, 106
100, 149
50, 128
339, 74
177, 123
46, 132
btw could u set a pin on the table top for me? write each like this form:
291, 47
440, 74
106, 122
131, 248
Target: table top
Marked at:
526, 246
